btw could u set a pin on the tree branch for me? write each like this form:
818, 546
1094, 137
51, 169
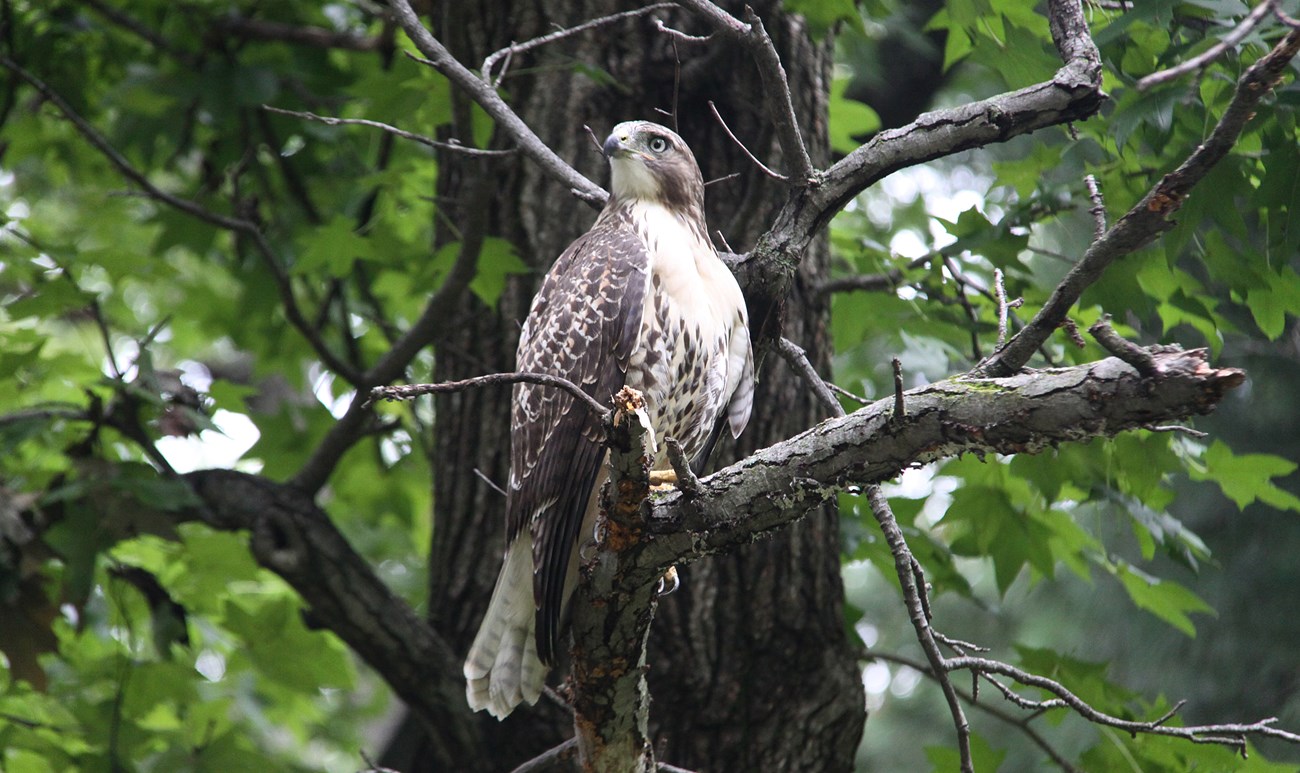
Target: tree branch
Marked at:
485, 70
1020, 414
611, 616
1213, 52
407, 392
913, 593
776, 86
236, 225
1073, 93
294, 538
1149, 217
487, 98
454, 147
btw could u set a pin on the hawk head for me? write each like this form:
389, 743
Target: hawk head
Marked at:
650, 162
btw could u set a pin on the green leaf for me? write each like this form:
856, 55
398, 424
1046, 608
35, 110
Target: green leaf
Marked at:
496, 262
1247, 478
1165, 599
945, 759
822, 15
332, 248
1271, 305
849, 118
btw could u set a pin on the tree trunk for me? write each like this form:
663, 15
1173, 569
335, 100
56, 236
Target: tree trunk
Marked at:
750, 666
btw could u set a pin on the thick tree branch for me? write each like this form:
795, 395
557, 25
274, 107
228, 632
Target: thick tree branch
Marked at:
611, 616
1022, 414
1073, 93
1148, 218
638, 539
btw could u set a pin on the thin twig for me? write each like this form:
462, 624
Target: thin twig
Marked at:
1021, 723
798, 360
900, 410
763, 167
409, 391
839, 390
687, 481
1000, 292
490, 483
1213, 52
776, 87
1196, 433
551, 758
234, 224
1126, 350
453, 146
903, 566
1098, 208
1226, 734
682, 36
518, 48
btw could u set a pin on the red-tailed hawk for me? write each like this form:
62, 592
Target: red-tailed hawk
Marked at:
640, 300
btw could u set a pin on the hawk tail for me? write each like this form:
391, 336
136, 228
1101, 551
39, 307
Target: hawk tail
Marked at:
502, 669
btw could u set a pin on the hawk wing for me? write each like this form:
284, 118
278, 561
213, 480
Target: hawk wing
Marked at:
584, 325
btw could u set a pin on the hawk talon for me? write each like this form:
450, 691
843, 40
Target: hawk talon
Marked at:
669, 576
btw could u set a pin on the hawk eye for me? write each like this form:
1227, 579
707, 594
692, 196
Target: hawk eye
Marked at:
658, 144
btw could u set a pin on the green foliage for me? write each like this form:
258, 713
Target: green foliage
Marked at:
124, 323
992, 533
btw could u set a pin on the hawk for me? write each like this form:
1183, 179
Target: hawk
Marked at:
641, 300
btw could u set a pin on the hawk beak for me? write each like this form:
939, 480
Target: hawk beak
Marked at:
613, 144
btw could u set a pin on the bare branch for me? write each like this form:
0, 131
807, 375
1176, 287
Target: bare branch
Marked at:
783, 482
762, 167
686, 478
1021, 723
454, 147
518, 48
552, 758
916, 610
1127, 351
410, 391
776, 86
682, 36
1213, 52
1149, 217
798, 360
1233, 735
1098, 209
1000, 292
900, 410
487, 98
302, 34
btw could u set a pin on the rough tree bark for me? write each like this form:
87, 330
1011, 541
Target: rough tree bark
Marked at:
782, 597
